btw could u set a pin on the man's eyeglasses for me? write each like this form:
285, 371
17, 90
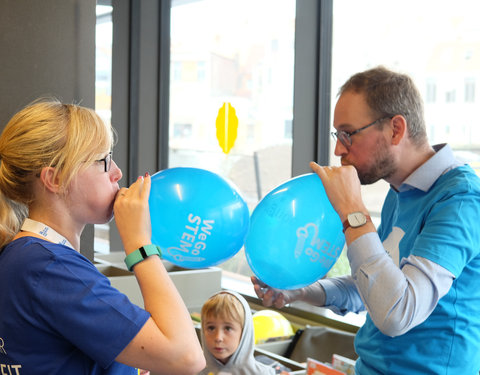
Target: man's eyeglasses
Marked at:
345, 137
107, 160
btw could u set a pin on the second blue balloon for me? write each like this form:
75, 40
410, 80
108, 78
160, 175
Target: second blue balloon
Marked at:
295, 235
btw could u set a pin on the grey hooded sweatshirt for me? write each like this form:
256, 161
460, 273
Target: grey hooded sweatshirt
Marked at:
242, 362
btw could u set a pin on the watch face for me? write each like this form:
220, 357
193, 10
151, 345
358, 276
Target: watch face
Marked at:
356, 219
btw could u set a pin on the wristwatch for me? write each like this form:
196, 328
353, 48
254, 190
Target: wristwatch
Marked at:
141, 254
355, 220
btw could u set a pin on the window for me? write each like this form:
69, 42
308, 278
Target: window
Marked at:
103, 61
431, 91
469, 90
103, 91
248, 61
182, 131
215, 58
450, 96
363, 37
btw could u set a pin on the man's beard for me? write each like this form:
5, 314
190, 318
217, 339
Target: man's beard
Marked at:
383, 167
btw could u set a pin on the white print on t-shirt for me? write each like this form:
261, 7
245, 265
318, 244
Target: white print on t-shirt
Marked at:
10, 369
2, 347
392, 242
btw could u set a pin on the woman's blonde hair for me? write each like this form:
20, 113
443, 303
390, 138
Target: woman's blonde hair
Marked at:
46, 133
223, 306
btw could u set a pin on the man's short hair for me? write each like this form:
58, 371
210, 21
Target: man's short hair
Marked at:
388, 94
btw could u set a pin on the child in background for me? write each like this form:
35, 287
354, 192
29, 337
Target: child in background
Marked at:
228, 337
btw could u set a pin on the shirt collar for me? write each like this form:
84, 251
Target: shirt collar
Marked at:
425, 176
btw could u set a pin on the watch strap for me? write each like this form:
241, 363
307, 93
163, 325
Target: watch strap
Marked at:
141, 254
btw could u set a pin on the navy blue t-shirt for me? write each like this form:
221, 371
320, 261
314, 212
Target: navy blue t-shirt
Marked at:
59, 314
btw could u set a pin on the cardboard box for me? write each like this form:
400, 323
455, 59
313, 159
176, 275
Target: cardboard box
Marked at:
195, 286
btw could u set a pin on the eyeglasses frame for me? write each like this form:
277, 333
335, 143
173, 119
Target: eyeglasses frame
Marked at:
343, 135
107, 161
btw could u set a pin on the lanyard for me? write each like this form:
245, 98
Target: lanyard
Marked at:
44, 231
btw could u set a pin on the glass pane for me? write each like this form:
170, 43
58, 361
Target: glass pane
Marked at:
233, 51
103, 92
439, 52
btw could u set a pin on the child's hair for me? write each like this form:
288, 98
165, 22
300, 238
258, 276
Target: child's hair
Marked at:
46, 133
224, 306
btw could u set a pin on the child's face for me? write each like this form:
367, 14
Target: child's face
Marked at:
222, 337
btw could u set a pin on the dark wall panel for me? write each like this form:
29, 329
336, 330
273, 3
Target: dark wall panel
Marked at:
47, 48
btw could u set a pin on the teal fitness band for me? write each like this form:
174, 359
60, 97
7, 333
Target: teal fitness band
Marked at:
140, 254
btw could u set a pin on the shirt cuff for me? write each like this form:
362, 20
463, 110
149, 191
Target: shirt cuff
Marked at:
334, 296
332, 293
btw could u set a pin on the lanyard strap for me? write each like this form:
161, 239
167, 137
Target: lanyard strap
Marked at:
44, 231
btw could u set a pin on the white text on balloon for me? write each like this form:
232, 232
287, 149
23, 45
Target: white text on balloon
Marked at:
327, 253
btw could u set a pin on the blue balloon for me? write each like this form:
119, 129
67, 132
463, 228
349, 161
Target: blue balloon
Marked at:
295, 235
198, 218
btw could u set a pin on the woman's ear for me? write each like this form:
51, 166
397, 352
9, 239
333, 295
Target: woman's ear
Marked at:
399, 129
49, 179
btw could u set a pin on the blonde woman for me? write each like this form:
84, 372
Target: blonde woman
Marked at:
58, 314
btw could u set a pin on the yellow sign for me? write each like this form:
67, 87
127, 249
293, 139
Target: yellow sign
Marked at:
227, 124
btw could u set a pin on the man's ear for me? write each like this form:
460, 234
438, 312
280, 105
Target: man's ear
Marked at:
399, 129
49, 179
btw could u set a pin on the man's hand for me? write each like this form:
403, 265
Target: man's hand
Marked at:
275, 297
342, 187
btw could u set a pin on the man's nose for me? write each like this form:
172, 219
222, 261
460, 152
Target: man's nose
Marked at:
340, 148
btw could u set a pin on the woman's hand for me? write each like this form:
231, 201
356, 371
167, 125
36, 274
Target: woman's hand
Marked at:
132, 214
